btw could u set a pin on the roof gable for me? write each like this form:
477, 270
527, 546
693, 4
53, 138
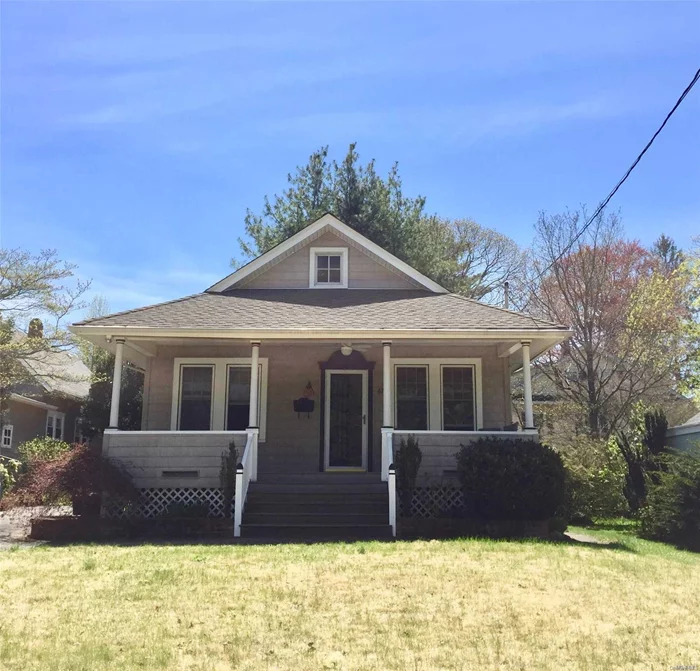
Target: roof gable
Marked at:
305, 237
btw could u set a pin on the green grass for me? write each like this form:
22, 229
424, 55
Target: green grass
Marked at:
471, 604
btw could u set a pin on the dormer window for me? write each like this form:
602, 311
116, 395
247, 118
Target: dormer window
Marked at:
328, 268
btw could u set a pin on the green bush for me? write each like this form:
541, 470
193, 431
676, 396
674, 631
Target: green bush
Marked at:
407, 461
595, 477
9, 472
42, 449
672, 509
509, 479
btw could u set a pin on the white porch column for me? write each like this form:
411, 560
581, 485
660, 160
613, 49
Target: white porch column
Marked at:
254, 385
116, 385
527, 386
388, 415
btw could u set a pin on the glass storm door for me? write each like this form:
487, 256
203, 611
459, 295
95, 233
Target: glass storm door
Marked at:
346, 419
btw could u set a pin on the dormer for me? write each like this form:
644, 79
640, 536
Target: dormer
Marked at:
327, 254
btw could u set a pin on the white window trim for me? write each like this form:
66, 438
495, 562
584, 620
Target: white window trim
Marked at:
220, 391
435, 366
332, 251
5, 427
55, 416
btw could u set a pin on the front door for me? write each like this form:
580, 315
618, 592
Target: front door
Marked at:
346, 420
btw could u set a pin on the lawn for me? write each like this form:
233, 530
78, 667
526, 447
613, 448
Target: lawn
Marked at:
472, 604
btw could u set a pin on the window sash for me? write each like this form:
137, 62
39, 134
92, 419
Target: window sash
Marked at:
458, 398
412, 407
328, 269
7, 435
200, 395
238, 421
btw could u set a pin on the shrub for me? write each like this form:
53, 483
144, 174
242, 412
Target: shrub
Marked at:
189, 510
672, 509
79, 473
42, 449
509, 479
407, 461
595, 476
643, 449
9, 472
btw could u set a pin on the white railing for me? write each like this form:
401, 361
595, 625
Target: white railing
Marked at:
246, 471
389, 474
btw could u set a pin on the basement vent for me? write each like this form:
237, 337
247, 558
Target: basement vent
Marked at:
180, 474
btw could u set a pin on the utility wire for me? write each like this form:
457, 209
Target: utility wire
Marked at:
608, 198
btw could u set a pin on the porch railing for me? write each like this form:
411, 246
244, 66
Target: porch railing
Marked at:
389, 474
246, 471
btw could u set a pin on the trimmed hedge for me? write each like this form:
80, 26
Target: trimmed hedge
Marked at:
509, 479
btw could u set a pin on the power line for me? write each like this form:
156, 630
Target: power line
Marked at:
608, 198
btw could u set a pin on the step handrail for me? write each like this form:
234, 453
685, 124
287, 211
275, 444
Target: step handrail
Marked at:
245, 472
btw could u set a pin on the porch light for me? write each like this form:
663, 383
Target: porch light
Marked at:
346, 350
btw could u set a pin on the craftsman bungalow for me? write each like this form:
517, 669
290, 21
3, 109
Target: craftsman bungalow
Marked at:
316, 358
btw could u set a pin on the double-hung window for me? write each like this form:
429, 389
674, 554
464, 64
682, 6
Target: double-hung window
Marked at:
328, 268
54, 425
412, 398
196, 395
6, 436
437, 394
458, 398
214, 395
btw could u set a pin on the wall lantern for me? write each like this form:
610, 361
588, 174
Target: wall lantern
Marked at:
306, 402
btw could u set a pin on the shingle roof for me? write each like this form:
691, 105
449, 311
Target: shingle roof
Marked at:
328, 309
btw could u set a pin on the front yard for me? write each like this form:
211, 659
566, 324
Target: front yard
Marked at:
406, 605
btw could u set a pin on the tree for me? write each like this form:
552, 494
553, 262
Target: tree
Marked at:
629, 317
37, 293
94, 417
460, 255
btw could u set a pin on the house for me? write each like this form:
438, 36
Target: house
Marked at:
315, 359
686, 435
48, 403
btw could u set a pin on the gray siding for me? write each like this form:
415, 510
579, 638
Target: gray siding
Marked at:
364, 272
294, 442
145, 456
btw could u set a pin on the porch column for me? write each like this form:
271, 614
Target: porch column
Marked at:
254, 385
116, 385
388, 415
527, 386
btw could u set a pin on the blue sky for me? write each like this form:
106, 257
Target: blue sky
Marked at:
136, 134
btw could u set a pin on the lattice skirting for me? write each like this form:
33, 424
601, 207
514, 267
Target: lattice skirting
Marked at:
433, 502
156, 501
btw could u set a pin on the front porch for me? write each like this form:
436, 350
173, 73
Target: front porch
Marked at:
293, 409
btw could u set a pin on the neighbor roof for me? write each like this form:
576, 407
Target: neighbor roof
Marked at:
332, 310
60, 373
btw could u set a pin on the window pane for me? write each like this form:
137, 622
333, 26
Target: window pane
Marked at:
58, 430
195, 398
334, 275
412, 398
322, 276
458, 398
322, 262
334, 262
49, 426
238, 398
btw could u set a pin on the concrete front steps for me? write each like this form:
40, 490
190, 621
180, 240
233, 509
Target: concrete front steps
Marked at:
317, 506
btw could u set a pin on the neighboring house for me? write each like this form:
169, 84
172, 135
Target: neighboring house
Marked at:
316, 359
686, 435
49, 404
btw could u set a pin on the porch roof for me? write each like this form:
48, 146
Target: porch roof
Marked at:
333, 310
